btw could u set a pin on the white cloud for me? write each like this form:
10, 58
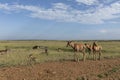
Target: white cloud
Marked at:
4, 6
87, 2
63, 12
60, 6
103, 31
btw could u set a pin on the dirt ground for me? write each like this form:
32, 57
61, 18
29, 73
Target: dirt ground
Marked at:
106, 69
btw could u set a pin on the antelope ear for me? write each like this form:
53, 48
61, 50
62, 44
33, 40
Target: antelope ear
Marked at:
71, 41
67, 41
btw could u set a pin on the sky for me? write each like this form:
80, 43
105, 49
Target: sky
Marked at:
60, 19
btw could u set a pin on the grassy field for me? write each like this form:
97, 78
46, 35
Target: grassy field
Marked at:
20, 50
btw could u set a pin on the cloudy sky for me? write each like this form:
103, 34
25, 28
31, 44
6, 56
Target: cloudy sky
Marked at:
60, 19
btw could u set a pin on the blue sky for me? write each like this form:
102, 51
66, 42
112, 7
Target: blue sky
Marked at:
60, 19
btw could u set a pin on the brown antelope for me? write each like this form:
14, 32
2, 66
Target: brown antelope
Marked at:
96, 49
59, 49
3, 51
89, 48
35, 47
77, 48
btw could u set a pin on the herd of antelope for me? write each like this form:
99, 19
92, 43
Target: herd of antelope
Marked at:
93, 49
79, 47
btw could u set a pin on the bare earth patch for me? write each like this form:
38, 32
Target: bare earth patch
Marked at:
106, 69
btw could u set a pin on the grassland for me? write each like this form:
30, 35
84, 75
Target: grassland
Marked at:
20, 50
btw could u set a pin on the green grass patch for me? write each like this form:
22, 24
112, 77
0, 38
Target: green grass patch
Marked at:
20, 50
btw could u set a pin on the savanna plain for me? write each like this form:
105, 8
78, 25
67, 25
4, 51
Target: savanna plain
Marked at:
21, 62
